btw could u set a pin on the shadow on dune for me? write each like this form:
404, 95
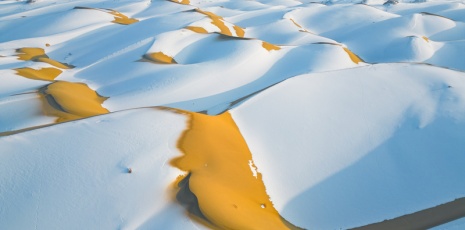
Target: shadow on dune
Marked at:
302, 59
417, 168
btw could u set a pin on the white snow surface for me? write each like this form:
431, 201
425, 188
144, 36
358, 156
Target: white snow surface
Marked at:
75, 174
367, 144
340, 144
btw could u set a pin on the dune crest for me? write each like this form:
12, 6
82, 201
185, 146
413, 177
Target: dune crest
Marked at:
160, 57
70, 101
43, 74
230, 191
38, 55
224, 27
119, 17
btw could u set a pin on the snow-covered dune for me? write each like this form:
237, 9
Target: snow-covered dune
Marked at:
367, 144
74, 175
345, 113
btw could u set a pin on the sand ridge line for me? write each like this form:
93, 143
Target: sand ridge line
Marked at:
43, 74
183, 2
70, 101
268, 46
354, 57
159, 57
220, 23
38, 55
119, 18
230, 195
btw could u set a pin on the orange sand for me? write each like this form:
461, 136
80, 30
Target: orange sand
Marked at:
295, 23
197, 29
160, 57
229, 194
38, 55
184, 2
29, 53
43, 74
239, 31
352, 56
70, 101
298, 25
269, 46
122, 19
119, 17
218, 21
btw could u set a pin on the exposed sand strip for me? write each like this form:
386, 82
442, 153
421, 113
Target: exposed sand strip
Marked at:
159, 57
38, 55
269, 46
302, 29
197, 29
356, 59
184, 2
219, 22
43, 74
70, 101
230, 192
424, 219
119, 17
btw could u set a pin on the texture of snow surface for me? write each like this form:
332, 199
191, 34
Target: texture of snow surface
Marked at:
361, 145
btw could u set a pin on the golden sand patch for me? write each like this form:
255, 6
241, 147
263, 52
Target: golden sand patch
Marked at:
43, 74
239, 31
119, 18
219, 22
38, 55
160, 57
184, 2
70, 101
295, 23
230, 191
30, 53
197, 29
302, 29
269, 46
356, 59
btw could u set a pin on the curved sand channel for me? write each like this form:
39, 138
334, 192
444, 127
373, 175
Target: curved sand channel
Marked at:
229, 190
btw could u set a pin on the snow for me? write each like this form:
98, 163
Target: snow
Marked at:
359, 146
75, 173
